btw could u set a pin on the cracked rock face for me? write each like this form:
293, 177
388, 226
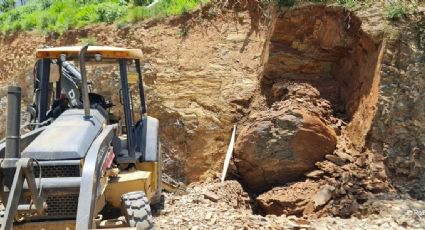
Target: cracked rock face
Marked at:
398, 130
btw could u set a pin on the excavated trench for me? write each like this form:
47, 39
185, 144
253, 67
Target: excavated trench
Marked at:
326, 48
320, 89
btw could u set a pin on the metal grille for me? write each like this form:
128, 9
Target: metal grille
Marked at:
57, 171
62, 205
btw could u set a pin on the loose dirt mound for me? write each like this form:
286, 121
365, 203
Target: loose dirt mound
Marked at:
343, 182
215, 205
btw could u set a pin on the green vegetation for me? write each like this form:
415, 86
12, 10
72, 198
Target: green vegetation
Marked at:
163, 8
396, 10
349, 4
88, 40
6, 5
61, 15
286, 2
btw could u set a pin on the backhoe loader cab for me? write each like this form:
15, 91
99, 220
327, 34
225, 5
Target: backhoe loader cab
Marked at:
80, 162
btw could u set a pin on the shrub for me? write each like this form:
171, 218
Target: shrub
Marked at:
137, 14
141, 2
6, 5
286, 2
396, 10
108, 12
61, 15
44, 4
88, 40
350, 4
29, 22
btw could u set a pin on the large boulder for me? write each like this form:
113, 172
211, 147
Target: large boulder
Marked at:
279, 146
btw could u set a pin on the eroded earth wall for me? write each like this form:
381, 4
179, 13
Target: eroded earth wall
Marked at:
398, 129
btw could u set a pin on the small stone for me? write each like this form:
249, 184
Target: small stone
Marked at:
323, 196
335, 159
315, 174
361, 162
344, 156
208, 216
211, 196
164, 212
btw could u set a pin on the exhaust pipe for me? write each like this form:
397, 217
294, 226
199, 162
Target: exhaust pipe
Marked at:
13, 134
85, 90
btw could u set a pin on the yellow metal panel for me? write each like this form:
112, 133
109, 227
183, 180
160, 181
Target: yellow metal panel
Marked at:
150, 167
133, 78
47, 225
104, 51
61, 225
127, 182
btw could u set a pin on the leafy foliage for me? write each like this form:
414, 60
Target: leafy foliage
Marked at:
141, 2
350, 4
396, 10
108, 12
285, 2
88, 40
163, 8
6, 5
61, 15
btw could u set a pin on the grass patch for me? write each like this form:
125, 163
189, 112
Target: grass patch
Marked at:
287, 3
349, 4
163, 9
396, 10
88, 40
62, 15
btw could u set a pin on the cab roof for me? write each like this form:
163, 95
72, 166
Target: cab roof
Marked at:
72, 52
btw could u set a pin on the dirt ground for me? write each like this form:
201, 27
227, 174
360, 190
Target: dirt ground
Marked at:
215, 205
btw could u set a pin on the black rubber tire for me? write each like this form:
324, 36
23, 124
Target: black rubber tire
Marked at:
2, 210
137, 211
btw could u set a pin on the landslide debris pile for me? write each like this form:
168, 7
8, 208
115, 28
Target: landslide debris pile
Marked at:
212, 206
302, 148
342, 182
299, 138
215, 205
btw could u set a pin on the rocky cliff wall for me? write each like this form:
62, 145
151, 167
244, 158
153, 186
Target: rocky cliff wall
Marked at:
398, 129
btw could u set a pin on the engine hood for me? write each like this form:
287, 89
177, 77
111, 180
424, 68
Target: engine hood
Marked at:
68, 137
